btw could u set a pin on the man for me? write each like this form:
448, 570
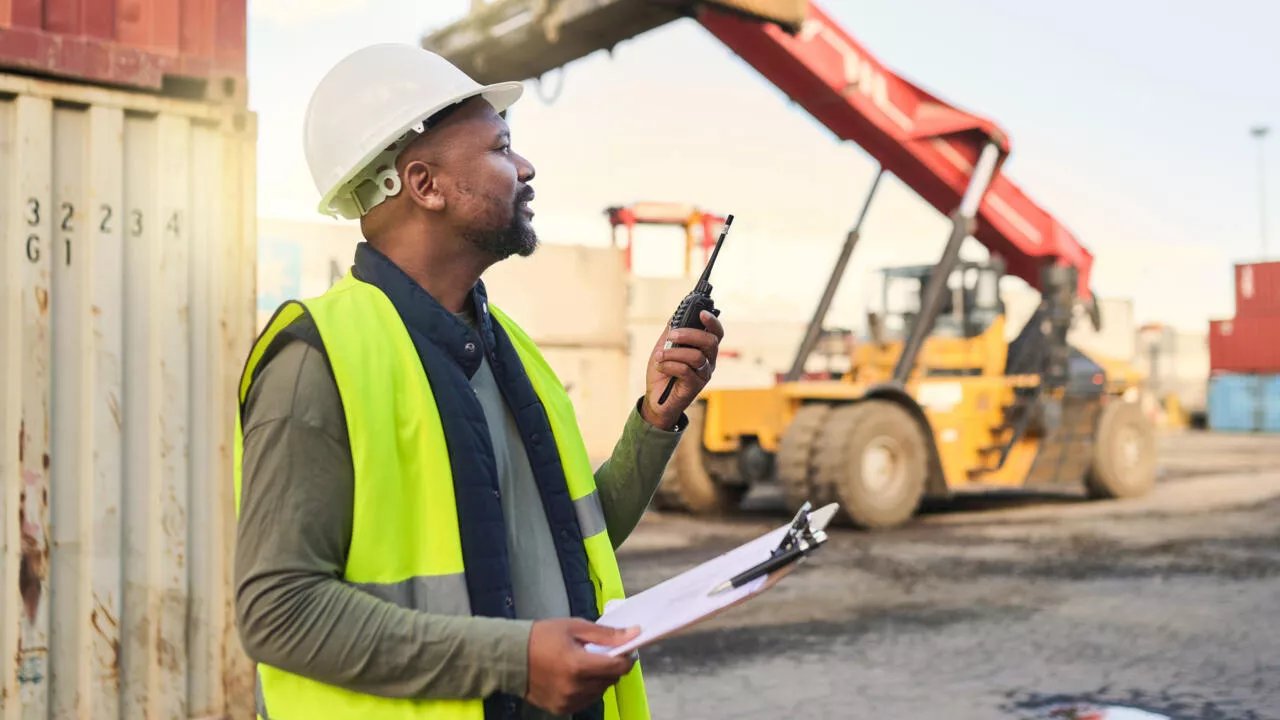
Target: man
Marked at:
420, 535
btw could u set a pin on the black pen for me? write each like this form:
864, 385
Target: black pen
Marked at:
775, 562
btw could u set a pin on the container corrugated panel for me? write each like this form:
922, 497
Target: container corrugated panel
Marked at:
1244, 403
1245, 345
187, 47
1269, 397
128, 285
1234, 403
1257, 289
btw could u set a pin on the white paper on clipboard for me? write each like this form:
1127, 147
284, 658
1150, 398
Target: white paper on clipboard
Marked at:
674, 604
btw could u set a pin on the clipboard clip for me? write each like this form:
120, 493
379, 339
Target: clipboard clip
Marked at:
800, 540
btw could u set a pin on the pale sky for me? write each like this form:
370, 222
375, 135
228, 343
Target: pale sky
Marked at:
1129, 122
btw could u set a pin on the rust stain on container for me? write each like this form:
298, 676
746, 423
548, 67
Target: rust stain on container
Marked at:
44, 461
113, 404
34, 567
97, 617
22, 440
239, 680
42, 299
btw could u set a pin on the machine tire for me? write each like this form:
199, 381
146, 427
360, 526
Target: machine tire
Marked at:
697, 481
1124, 453
796, 455
852, 434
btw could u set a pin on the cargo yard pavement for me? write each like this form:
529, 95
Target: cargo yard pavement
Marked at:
997, 607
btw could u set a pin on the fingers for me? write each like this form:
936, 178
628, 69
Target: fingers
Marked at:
691, 379
700, 339
597, 665
603, 669
708, 340
712, 324
684, 360
589, 632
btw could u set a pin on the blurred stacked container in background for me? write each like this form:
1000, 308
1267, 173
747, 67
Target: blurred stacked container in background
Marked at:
1244, 354
127, 185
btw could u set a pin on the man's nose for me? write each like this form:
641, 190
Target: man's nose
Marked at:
525, 169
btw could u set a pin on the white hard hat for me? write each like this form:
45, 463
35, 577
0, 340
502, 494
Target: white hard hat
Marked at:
367, 107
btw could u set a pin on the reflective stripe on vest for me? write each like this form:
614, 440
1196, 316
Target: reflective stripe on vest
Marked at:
405, 544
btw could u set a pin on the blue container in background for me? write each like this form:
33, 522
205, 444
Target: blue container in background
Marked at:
1244, 403
1233, 403
1269, 396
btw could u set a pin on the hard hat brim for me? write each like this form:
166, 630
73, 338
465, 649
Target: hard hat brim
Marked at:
499, 95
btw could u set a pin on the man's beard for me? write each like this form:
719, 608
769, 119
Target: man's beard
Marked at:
517, 238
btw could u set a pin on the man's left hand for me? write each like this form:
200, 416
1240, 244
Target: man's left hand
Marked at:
691, 366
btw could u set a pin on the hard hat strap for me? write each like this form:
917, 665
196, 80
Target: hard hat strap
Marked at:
369, 193
367, 190
380, 180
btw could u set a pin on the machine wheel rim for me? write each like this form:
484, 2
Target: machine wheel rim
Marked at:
881, 464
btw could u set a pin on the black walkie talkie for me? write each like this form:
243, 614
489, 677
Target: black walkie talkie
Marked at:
689, 314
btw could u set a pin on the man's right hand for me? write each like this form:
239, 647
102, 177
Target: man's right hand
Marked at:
563, 676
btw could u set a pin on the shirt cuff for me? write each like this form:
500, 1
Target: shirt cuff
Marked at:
509, 653
645, 426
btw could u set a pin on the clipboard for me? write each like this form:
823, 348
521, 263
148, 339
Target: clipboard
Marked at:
691, 597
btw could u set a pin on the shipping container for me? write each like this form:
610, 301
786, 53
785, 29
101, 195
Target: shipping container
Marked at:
179, 48
565, 296
1245, 344
128, 282
596, 383
1257, 289
1244, 403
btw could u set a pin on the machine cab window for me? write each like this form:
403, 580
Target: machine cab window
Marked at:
969, 307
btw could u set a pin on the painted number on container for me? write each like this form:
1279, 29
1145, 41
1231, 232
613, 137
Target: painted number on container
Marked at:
136, 229
172, 226
105, 225
69, 211
33, 240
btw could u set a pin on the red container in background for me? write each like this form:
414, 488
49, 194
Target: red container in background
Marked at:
1249, 344
184, 48
1257, 289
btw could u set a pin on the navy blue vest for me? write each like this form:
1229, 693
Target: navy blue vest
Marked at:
450, 353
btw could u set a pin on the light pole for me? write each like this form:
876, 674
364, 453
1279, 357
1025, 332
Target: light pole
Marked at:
1260, 132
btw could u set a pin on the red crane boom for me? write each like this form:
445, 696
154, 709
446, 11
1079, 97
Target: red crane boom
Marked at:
929, 144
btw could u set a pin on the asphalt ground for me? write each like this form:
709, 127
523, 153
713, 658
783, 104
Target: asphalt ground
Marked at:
999, 606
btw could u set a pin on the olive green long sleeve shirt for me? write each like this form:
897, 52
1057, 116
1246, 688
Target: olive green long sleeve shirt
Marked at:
294, 611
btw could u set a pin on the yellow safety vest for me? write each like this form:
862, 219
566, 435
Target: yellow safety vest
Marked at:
405, 542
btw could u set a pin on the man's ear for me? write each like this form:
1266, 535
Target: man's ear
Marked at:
422, 186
